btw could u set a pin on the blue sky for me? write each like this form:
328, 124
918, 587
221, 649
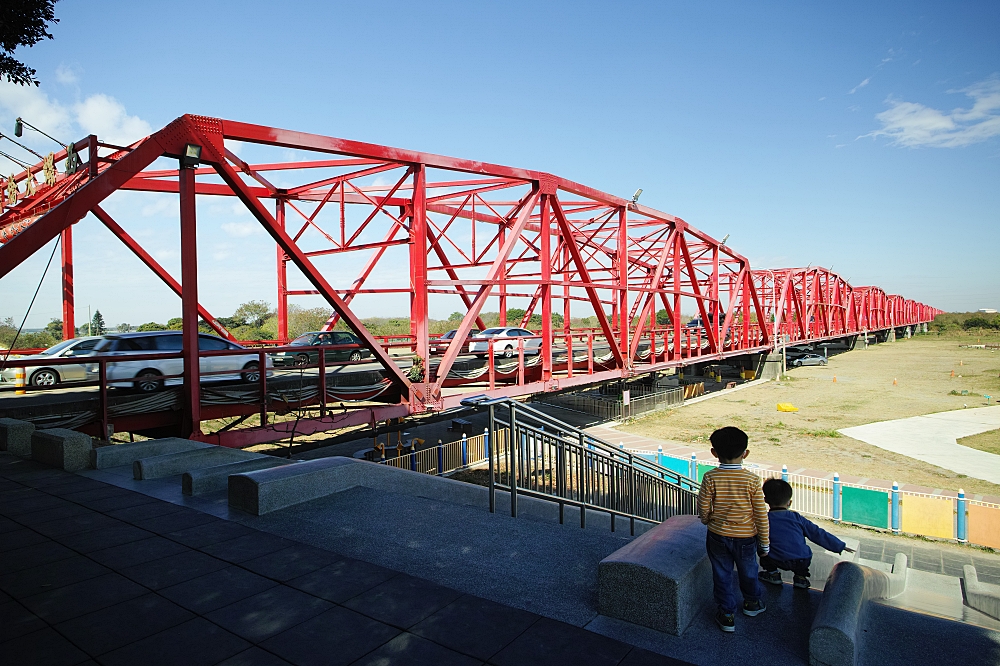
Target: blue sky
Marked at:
862, 136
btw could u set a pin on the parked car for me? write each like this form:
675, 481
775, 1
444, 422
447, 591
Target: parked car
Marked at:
505, 340
57, 374
147, 375
440, 345
353, 352
809, 359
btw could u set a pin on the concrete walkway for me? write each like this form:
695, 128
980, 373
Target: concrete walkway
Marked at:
932, 439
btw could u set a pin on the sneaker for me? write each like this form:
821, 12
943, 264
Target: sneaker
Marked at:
755, 607
726, 621
801, 582
772, 577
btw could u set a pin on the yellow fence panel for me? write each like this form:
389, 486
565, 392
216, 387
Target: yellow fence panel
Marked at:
928, 516
984, 525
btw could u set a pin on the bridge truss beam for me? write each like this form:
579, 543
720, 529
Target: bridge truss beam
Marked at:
469, 232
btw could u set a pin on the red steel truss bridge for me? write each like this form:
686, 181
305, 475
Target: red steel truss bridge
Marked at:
486, 235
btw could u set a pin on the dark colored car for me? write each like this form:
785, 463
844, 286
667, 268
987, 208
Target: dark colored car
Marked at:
351, 351
440, 345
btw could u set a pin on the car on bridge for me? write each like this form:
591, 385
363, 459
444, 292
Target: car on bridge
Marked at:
809, 359
57, 374
153, 374
348, 348
440, 345
505, 342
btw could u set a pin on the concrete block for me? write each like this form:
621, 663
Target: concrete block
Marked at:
15, 437
984, 597
834, 637
62, 448
216, 477
661, 579
281, 487
277, 488
172, 464
118, 455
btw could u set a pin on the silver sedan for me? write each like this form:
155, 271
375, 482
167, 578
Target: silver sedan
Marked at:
505, 342
40, 375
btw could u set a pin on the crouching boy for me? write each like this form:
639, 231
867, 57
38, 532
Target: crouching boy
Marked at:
788, 534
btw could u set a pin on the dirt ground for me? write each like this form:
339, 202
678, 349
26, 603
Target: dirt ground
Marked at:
863, 393
984, 441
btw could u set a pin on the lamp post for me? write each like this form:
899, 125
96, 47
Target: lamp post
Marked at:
774, 318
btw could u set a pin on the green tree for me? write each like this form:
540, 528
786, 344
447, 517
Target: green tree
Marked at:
7, 332
124, 328
23, 23
662, 317
55, 328
514, 316
456, 316
151, 326
175, 324
97, 326
301, 320
252, 313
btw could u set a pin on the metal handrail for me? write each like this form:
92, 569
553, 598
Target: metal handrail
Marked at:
551, 460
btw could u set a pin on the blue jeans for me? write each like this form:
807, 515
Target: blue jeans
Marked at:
724, 553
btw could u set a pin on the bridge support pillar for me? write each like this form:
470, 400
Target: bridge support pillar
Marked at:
189, 304
68, 300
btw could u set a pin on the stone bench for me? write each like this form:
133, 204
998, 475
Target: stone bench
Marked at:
277, 488
118, 455
984, 597
15, 437
172, 464
216, 477
62, 448
661, 579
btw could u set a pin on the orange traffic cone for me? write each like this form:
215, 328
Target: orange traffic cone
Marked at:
952, 373
894, 382
835, 379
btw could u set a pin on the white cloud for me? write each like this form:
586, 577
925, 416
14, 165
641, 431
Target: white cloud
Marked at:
860, 86
106, 117
98, 114
911, 124
241, 229
822, 98
68, 74
35, 106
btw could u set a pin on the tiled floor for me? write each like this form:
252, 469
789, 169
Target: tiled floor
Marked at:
91, 573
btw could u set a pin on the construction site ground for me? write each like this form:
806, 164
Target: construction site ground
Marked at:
894, 380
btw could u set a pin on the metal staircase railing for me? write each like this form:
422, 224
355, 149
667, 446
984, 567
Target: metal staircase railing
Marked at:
548, 459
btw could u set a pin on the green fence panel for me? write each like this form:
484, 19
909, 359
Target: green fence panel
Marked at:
702, 469
865, 507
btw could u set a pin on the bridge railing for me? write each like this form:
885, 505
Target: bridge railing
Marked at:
547, 459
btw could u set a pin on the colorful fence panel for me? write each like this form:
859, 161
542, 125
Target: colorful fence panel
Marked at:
866, 507
928, 516
984, 525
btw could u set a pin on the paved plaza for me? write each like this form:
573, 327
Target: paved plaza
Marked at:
94, 573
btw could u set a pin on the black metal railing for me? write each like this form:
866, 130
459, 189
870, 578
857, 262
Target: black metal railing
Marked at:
541, 457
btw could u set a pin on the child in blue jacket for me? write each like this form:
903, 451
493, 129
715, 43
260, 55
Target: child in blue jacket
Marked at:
788, 532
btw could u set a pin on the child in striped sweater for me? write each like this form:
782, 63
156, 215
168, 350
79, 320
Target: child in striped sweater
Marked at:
731, 504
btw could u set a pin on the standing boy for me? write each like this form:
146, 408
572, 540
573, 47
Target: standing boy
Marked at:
731, 503
788, 537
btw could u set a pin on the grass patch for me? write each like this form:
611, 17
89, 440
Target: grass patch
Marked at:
988, 441
822, 433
